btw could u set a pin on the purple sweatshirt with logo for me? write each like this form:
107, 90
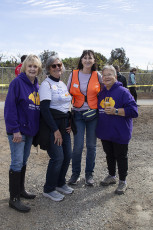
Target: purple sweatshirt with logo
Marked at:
22, 106
116, 128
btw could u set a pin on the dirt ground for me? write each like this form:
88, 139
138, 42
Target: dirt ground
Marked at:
89, 208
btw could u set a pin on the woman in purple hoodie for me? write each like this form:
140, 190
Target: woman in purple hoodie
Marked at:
21, 113
116, 108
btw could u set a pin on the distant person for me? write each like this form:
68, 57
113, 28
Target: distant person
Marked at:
18, 68
55, 102
84, 85
116, 109
120, 77
21, 114
132, 81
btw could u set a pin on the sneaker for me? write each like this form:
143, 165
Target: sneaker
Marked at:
65, 189
108, 180
74, 179
122, 186
89, 180
54, 195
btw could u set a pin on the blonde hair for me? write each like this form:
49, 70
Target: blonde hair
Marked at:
34, 60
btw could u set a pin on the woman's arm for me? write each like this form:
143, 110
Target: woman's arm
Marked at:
69, 82
114, 111
10, 108
47, 116
129, 107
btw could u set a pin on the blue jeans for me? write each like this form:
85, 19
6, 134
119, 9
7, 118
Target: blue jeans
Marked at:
19, 152
90, 127
60, 157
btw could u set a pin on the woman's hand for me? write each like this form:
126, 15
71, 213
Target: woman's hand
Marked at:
68, 129
110, 110
58, 138
17, 137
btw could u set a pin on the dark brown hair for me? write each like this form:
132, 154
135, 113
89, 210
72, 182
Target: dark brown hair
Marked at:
133, 69
90, 53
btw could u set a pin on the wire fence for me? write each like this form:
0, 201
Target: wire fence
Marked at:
7, 74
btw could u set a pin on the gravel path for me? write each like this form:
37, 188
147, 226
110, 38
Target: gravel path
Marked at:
89, 208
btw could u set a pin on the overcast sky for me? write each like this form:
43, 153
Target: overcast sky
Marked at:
70, 26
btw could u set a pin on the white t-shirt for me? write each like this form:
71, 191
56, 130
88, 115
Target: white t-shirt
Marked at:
57, 93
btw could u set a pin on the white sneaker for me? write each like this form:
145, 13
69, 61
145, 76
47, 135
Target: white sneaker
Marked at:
54, 195
65, 189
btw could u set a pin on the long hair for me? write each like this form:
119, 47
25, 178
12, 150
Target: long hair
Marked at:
90, 53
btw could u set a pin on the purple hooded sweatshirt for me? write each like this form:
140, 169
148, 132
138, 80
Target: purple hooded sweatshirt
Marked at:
22, 106
116, 128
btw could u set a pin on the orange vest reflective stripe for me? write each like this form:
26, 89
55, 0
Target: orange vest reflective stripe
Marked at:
93, 89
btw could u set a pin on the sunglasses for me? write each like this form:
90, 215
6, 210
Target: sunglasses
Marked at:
56, 65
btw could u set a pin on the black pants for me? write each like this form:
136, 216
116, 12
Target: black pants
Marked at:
133, 92
116, 153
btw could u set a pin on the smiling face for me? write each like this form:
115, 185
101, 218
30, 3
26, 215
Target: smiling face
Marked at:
109, 78
31, 70
88, 61
56, 69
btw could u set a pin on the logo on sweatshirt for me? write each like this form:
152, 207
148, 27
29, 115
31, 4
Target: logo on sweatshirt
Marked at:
34, 97
107, 99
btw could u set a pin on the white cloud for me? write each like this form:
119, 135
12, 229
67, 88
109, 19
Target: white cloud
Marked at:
77, 25
38, 3
54, 5
150, 28
49, 8
141, 27
123, 5
78, 7
28, 2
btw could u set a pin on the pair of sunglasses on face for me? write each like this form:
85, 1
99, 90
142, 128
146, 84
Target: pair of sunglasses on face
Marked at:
56, 65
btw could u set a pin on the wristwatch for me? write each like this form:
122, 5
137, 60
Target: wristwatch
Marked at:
116, 112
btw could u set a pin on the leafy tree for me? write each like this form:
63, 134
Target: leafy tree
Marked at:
100, 60
71, 63
118, 57
45, 55
8, 63
1, 56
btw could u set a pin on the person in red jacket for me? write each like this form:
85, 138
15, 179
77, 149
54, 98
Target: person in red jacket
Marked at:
17, 69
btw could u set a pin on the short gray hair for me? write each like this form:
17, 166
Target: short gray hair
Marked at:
110, 67
51, 60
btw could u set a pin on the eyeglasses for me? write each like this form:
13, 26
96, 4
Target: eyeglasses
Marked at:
56, 65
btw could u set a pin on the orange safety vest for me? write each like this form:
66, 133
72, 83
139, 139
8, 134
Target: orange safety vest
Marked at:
93, 89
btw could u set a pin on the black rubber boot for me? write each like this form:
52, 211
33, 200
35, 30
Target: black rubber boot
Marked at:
23, 192
14, 188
